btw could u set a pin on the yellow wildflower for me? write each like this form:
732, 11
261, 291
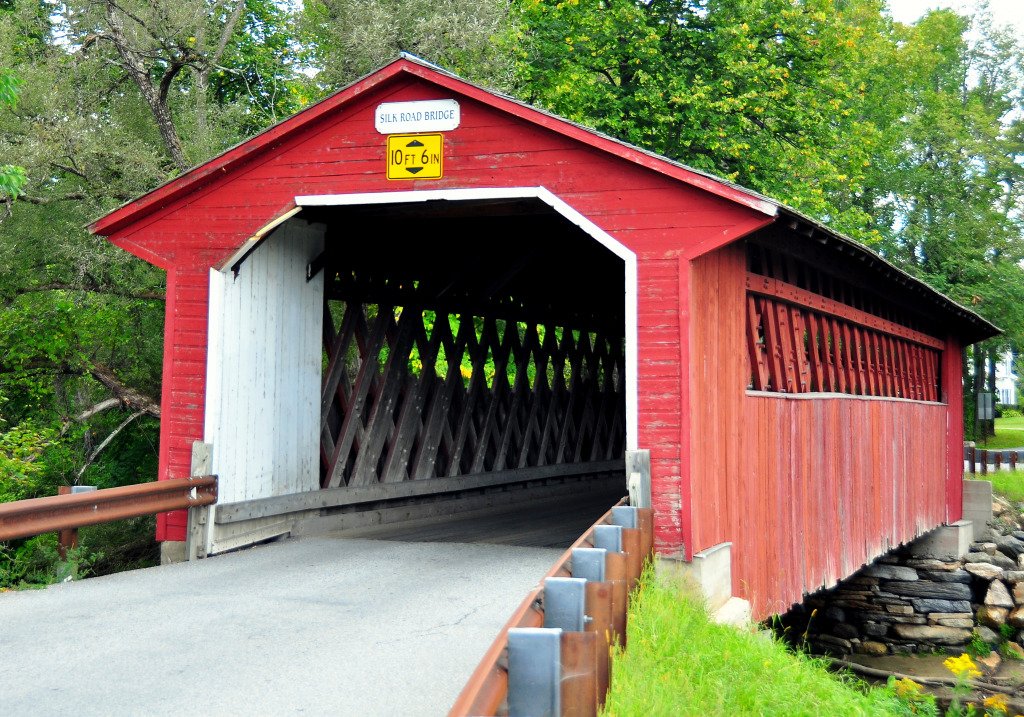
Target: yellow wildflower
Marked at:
963, 667
997, 702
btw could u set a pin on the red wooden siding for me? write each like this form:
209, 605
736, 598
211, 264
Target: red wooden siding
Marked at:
806, 489
655, 215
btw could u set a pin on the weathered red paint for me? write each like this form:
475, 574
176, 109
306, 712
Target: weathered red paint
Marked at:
806, 489
801, 497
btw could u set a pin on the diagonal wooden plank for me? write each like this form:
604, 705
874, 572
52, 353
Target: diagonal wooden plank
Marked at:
368, 373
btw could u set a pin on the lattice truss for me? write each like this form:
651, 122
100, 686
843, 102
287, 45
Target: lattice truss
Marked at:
411, 394
809, 331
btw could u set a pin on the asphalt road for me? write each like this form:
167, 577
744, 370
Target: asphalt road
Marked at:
336, 625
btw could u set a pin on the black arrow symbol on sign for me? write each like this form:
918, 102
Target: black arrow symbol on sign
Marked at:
413, 170
415, 143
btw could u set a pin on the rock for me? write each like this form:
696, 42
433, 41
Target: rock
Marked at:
926, 605
951, 616
890, 572
1014, 576
875, 629
899, 609
881, 600
861, 581
1018, 593
872, 648
956, 622
987, 634
847, 632
948, 591
930, 564
998, 508
1014, 647
1020, 561
948, 576
990, 663
1010, 547
997, 559
935, 634
983, 548
835, 613
984, 570
998, 595
1019, 534
994, 617
1016, 618
832, 644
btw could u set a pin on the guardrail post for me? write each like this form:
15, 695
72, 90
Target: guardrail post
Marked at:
1013, 460
199, 516
638, 477
971, 458
67, 538
590, 564
534, 672
564, 600
984, 462
565, 609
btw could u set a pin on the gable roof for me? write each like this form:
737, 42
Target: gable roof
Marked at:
411, 66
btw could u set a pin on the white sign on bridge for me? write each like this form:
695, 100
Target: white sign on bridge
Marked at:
420, 116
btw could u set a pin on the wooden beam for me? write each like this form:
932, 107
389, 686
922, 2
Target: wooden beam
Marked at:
335, 497
782, 291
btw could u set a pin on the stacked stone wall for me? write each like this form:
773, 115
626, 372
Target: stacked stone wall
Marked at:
905, 603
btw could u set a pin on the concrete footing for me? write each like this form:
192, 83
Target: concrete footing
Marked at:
978, 505
947, 542
172, 551
710, 572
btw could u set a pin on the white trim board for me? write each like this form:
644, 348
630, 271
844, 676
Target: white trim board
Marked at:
561, 207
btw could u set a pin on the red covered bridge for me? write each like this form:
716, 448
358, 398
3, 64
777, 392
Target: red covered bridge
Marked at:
418, 288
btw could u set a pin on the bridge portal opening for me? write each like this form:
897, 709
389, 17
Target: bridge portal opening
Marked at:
469, 348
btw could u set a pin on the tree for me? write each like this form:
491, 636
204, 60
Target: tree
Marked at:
767, 93
350, 38
11, 177
116, 98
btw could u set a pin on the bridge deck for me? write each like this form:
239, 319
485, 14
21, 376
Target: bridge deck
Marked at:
335, 624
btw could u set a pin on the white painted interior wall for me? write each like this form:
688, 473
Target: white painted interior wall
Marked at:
263, 369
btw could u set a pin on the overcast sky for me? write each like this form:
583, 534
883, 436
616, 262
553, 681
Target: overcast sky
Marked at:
1005, 12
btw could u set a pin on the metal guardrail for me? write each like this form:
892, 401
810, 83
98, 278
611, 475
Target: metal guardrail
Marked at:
25, 518
994, 457
553, 656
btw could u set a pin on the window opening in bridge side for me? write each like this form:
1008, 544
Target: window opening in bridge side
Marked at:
412, 393
808, 331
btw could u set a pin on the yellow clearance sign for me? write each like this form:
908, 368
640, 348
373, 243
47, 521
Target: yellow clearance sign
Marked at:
415, 156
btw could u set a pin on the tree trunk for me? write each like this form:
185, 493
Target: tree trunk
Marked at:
138, 69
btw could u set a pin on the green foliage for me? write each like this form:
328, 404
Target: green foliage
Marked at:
35, 563
350, 38
765, 93
977, 647
21, 470
908, 699
12, 177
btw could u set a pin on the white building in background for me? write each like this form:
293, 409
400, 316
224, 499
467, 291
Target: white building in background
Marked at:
1006, 381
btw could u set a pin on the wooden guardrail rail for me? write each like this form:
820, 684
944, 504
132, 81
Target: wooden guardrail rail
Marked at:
983, 456
553, 655
25, 518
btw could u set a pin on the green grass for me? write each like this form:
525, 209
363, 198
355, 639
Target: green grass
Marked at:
1009, 484
1016, 424
1009, 434
680, 663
